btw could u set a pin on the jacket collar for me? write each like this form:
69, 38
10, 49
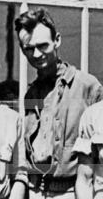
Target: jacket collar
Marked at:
65, 72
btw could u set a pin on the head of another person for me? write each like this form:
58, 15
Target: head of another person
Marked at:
38, 39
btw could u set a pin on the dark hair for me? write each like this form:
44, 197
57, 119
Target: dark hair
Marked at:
30, 19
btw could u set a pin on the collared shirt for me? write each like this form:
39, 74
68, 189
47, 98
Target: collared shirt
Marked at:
64, 99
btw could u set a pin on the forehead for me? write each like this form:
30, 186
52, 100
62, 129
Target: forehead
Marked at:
40, 34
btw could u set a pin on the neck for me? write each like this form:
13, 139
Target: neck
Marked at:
48, 73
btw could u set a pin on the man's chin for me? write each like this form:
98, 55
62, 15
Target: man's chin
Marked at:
41, 66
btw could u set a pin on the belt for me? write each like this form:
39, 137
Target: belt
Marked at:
54, 184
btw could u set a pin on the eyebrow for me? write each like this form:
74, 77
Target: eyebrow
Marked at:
34, 46
42, 44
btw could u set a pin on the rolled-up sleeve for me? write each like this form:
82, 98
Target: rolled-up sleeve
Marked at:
83, 143
90, 129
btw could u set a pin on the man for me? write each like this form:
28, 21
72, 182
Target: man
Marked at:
54, 104
89, 146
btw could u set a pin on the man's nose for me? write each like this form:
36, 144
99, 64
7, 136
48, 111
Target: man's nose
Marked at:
37, 53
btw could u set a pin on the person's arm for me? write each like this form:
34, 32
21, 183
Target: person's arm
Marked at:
4, 180
20, 181
98, 181
2, 170
18, 191
84, 186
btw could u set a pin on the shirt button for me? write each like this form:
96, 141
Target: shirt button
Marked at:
42, 185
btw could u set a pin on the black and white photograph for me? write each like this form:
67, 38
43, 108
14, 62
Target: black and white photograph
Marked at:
51, 99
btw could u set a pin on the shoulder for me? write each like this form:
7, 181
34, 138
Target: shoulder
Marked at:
92, 85
87, 78
93, 110
83, 77
6, 112
91, 120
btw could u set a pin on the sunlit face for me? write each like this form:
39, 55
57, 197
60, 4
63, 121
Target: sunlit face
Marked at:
39, 48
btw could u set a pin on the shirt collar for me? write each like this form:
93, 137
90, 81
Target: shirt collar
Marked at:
65, 72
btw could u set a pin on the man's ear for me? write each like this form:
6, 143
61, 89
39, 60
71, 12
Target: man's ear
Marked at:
57, 40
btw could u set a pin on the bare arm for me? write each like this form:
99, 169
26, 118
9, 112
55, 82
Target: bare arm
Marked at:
2, 170
98, 183
18, 191
4, 180
84, 186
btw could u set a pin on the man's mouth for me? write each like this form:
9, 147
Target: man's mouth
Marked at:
41, 62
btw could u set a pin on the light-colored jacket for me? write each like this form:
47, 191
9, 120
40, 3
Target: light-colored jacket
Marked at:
74, 91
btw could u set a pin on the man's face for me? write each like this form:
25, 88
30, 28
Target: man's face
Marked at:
39, 47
